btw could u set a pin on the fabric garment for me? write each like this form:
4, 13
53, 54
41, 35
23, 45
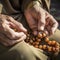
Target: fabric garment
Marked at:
16, 6
23, 51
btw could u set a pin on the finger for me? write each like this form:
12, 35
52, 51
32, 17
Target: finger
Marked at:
19, 29
10, 33
41, 20
52, 23
32, 23
54, 26
19, 35
22, 38
16, 24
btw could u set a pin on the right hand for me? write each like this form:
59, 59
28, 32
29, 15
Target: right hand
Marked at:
8, 36
40, 20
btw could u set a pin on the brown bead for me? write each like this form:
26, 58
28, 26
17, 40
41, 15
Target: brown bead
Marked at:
33, 44
48, 46
43, 35
37, 43
39, 40
36, 38
15, 30
53, 42
36, 46
31, 41
27, 40
49, 49
46, 39
50, 42
40, 46
39, 35
28, 35
44, 46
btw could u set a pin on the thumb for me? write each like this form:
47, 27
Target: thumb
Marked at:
22, 28
18, 27
31, 21
54, 27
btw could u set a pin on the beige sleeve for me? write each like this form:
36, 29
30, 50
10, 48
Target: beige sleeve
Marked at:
29, 3
8, 7
46, 4
43, 3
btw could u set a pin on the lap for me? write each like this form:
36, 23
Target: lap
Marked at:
18, 52
23, 51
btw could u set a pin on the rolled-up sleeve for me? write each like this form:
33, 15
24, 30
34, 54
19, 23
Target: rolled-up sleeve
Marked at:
43, 3
29, 3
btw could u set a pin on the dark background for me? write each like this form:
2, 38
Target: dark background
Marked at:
55, 10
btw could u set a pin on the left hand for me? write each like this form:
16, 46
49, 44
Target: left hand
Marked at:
7, 24
8, 36
40, 20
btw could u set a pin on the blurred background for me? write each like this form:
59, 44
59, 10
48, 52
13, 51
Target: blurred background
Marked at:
55, 10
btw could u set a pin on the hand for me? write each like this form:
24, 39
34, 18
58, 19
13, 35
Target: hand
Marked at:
8, 42
7, 34
37, 19
50, 25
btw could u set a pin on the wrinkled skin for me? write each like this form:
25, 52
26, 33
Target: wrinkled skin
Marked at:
8, 36
40, 20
